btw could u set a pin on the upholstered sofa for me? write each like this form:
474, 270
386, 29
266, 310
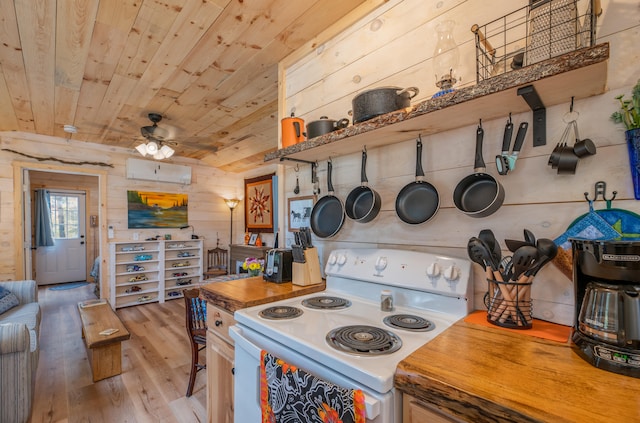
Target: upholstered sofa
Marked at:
19, 351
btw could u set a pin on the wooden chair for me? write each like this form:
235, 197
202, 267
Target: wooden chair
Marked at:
217, 259
196, 321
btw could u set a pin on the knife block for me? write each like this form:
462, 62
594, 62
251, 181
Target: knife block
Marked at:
307, 273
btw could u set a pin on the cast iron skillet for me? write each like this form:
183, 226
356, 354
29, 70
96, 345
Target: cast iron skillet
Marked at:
418, 201
363, 203
327, 214
479, 194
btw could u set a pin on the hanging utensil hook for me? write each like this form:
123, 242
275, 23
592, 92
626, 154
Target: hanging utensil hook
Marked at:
600, 188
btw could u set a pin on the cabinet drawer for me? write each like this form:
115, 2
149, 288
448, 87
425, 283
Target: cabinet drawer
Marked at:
416, 411
219, 321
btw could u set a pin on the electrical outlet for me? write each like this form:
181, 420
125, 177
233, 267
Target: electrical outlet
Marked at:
110, 234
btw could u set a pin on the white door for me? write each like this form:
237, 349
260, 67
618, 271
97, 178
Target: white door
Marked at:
66, 261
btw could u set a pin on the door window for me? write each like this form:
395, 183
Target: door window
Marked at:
65, 216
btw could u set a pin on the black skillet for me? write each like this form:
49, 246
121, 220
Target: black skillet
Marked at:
479, 194
327, 215
363, 203
418, 201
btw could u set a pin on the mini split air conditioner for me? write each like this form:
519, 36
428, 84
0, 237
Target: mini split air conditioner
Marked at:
148, 170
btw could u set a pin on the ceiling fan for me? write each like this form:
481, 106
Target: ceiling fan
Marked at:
157, 139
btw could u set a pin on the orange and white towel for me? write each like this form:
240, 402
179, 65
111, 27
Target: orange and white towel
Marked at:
289, 394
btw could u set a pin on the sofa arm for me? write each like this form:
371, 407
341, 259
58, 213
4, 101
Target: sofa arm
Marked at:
17, 373
14, 337
26, 291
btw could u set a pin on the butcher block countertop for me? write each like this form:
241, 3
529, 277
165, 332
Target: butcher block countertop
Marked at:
486, 374
242, 293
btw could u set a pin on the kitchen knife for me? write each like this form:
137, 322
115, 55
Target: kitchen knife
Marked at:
297, 253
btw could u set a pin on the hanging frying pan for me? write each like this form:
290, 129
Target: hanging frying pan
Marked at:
327, 214
418, 201
363, 203
479, 194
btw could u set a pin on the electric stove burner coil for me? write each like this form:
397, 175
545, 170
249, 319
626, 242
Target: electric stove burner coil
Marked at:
326, 302
408, 322
280, 312
363, 340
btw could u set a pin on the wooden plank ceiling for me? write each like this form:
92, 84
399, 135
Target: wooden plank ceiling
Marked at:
208, 66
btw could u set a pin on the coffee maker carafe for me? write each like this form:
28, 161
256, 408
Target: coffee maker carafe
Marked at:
606, 330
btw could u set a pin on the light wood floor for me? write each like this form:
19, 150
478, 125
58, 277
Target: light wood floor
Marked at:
155, 366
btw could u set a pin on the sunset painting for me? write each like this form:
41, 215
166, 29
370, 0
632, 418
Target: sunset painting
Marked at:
156, 210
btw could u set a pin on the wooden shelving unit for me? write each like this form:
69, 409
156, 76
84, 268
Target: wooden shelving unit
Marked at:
579, 74
155, 278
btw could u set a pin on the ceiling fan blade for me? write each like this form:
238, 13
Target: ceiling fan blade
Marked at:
154, 132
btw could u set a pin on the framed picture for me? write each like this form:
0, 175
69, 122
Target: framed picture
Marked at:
156, 210
300, 212
258, 204
253, 239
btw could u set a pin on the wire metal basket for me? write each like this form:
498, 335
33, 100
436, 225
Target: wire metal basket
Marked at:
539, 31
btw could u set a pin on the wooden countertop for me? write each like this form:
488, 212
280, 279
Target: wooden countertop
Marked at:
242, 293
482, 374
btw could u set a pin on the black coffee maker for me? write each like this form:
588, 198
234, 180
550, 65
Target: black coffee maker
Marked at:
606, 330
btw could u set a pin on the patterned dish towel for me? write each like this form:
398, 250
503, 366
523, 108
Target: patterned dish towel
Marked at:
289, 394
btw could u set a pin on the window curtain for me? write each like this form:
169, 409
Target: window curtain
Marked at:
44, 231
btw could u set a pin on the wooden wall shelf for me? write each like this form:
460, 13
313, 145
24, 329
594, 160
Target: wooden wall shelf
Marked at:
579, 74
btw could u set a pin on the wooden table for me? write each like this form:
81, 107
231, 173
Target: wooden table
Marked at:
104, 351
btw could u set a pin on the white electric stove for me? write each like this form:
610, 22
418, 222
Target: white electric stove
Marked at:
352, 343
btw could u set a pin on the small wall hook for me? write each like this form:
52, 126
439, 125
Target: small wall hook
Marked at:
600, 188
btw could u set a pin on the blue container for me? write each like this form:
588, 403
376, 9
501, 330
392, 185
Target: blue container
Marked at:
633, 145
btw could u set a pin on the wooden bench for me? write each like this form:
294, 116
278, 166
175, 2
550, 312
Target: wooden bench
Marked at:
104, 351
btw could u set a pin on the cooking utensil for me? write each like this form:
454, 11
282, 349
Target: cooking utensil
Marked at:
292, 130
314, 178
529, 236
514, 244
478, 194
487, 236
546, 248
502, 160
506, 161
522, 260
522, 132
363, 203
418, 201
296, 190
325, 125
327, 215
379, 101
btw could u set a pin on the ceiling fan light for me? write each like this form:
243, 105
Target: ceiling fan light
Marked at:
167, 151
158, 156
142, 149
152, 147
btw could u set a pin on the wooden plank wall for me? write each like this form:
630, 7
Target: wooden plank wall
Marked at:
207, 211
393, 46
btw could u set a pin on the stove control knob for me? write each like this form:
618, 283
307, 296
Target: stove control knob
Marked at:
433, 271
332, 259
342, 259
451, 273
381, 264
